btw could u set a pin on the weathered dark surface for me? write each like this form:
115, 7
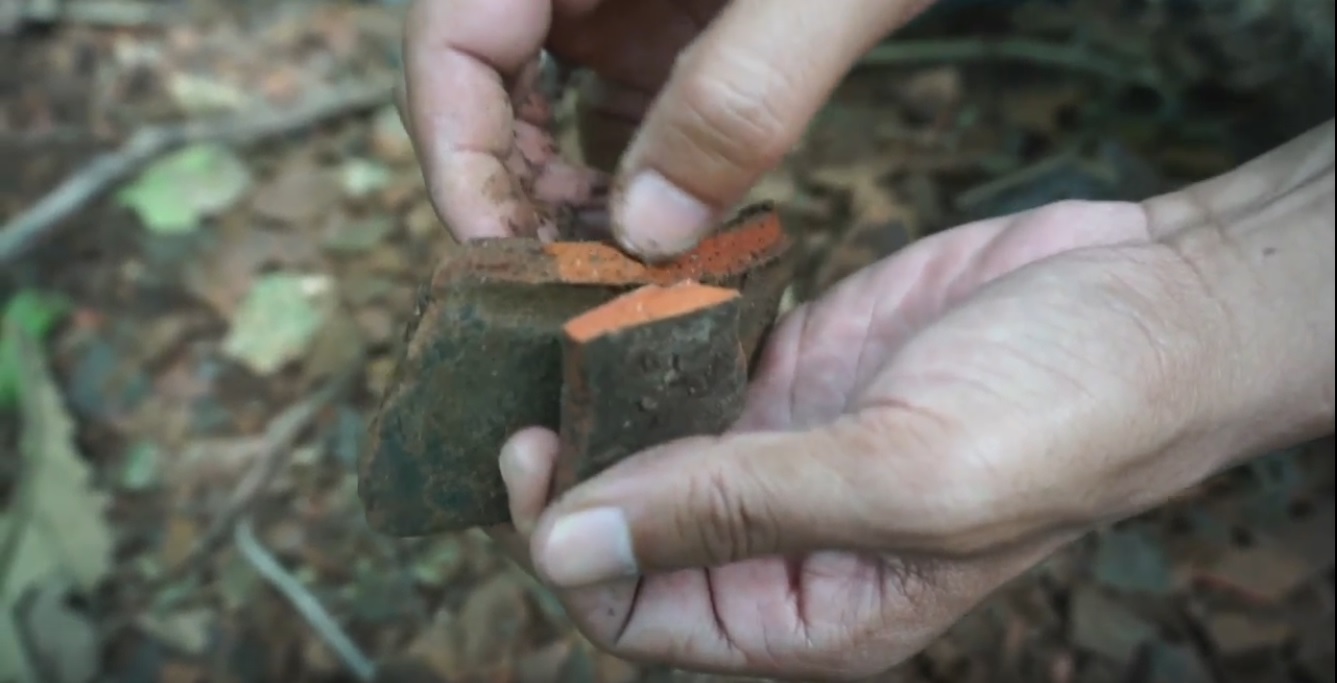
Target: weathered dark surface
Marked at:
762, 290
492, 365
482, 359
649, 383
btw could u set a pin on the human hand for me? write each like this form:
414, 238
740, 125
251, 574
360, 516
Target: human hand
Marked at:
736, 83
943, 420
920, 435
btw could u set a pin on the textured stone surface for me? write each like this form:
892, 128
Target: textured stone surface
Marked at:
483, 358
649, 367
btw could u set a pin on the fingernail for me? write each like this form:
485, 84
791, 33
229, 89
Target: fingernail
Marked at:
588, 547
656, 219
516, 454
526, 462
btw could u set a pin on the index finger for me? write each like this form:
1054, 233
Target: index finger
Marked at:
458, 58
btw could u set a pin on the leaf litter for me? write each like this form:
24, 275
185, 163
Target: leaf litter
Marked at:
314, 247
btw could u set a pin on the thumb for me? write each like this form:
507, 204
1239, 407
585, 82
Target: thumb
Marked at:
736, 102
710, 501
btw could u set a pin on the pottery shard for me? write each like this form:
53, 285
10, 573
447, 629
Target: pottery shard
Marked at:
482, 358
651, 366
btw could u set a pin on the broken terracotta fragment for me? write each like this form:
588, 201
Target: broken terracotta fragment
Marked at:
482, 358
657, 364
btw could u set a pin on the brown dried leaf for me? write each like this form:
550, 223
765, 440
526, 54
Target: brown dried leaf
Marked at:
301, 193
1236, 634
501, 603
1266, 571
1040, 109
1104, 626
934, 93
222, 276
881, 225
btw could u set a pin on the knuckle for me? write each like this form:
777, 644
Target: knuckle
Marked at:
717, 518
736, 118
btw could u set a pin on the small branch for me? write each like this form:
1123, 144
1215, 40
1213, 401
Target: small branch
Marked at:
970, 199
280, 435
304, 602
107, 13
1025, 51
26, 230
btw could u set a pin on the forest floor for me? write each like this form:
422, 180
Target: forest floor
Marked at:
177, 502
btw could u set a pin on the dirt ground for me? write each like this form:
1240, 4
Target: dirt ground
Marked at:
204, 341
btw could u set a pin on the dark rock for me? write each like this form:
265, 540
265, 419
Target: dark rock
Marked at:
651, 366
483, 358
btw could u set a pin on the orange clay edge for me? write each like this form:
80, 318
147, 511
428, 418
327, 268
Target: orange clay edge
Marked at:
650, 303
721, 255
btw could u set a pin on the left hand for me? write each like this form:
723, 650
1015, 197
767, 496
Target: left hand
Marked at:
925, 432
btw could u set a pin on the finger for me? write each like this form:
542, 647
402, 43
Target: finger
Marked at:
704, 502
512, 543
527, 462
528, 100
460, 56
736, 102
555, 186
560, 183
607, 115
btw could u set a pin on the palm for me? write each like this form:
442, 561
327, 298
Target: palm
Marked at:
783, 614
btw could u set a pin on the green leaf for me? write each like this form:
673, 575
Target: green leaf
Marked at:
34, 312
361, 177
175, 193
56, 528
139, 472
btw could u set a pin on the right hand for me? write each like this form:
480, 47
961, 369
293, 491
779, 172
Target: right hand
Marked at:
716, 92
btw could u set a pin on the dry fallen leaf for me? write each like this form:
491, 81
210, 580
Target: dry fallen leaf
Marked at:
1236, 634
1041, 110
1267, 571
222, 275
300, 193
279, 320
933, 93
880, 224
1102, 625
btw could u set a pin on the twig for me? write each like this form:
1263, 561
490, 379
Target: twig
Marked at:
304, 602
973, 197
1014, 50
279, 437
27, 229
110, 13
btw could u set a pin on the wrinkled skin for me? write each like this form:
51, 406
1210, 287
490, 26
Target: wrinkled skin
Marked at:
703, 95
969, 328
930, 427
509, 151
